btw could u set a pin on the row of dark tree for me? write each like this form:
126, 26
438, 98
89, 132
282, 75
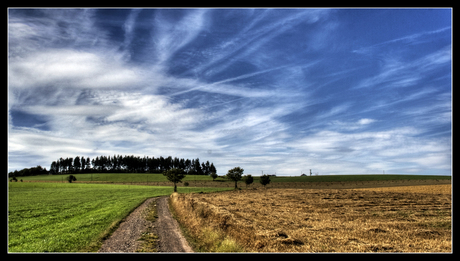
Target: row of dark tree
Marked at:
28, 172
129, 164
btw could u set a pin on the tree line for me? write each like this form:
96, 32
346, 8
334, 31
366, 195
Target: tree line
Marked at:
120, 164
130, 164
28, 172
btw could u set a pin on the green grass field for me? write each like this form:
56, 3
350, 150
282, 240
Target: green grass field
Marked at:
147, 177
116, 177
71, 217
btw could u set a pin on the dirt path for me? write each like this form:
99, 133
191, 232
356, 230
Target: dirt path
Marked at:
168, 231
125, 238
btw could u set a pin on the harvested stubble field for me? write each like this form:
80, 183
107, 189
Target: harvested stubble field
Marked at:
386, 219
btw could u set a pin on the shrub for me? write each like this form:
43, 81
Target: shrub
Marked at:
71, 178
264, 180
248, 179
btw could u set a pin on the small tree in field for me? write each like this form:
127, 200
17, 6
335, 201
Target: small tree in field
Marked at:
174, 175
264, 180
248, 179
235, 174
71, 178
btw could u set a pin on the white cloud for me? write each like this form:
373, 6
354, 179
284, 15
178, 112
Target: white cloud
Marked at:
432, 161
370, 151
72, 110
65, 68
45, 144
154, 111
365, 121
341, 125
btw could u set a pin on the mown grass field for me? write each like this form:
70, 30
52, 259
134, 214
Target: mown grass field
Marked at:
206, 181
55, 217
115, 178
384, 219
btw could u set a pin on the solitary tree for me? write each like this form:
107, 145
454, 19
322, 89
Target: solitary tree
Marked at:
71, 178
235, 174
213, 176
248, 179
264, 180
174, 175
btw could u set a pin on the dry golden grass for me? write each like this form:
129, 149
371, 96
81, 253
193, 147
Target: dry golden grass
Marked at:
398, 219
439, 189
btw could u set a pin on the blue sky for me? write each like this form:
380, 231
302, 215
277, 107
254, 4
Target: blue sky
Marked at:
338, 91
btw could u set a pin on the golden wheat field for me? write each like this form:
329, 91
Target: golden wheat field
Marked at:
393, 219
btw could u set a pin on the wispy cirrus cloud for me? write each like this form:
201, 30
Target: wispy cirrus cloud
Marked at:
397, 73
246, 42
174, 35
412, 39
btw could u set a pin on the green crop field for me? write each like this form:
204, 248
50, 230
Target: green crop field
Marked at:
151, 178
70, 217
115, 177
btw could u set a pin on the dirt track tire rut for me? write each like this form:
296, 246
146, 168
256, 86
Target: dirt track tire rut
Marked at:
168, 231
125, 238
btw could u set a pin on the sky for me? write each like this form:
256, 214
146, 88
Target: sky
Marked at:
337, 91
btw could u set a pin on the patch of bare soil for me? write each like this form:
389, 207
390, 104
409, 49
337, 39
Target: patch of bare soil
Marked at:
168, 231
126, 237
